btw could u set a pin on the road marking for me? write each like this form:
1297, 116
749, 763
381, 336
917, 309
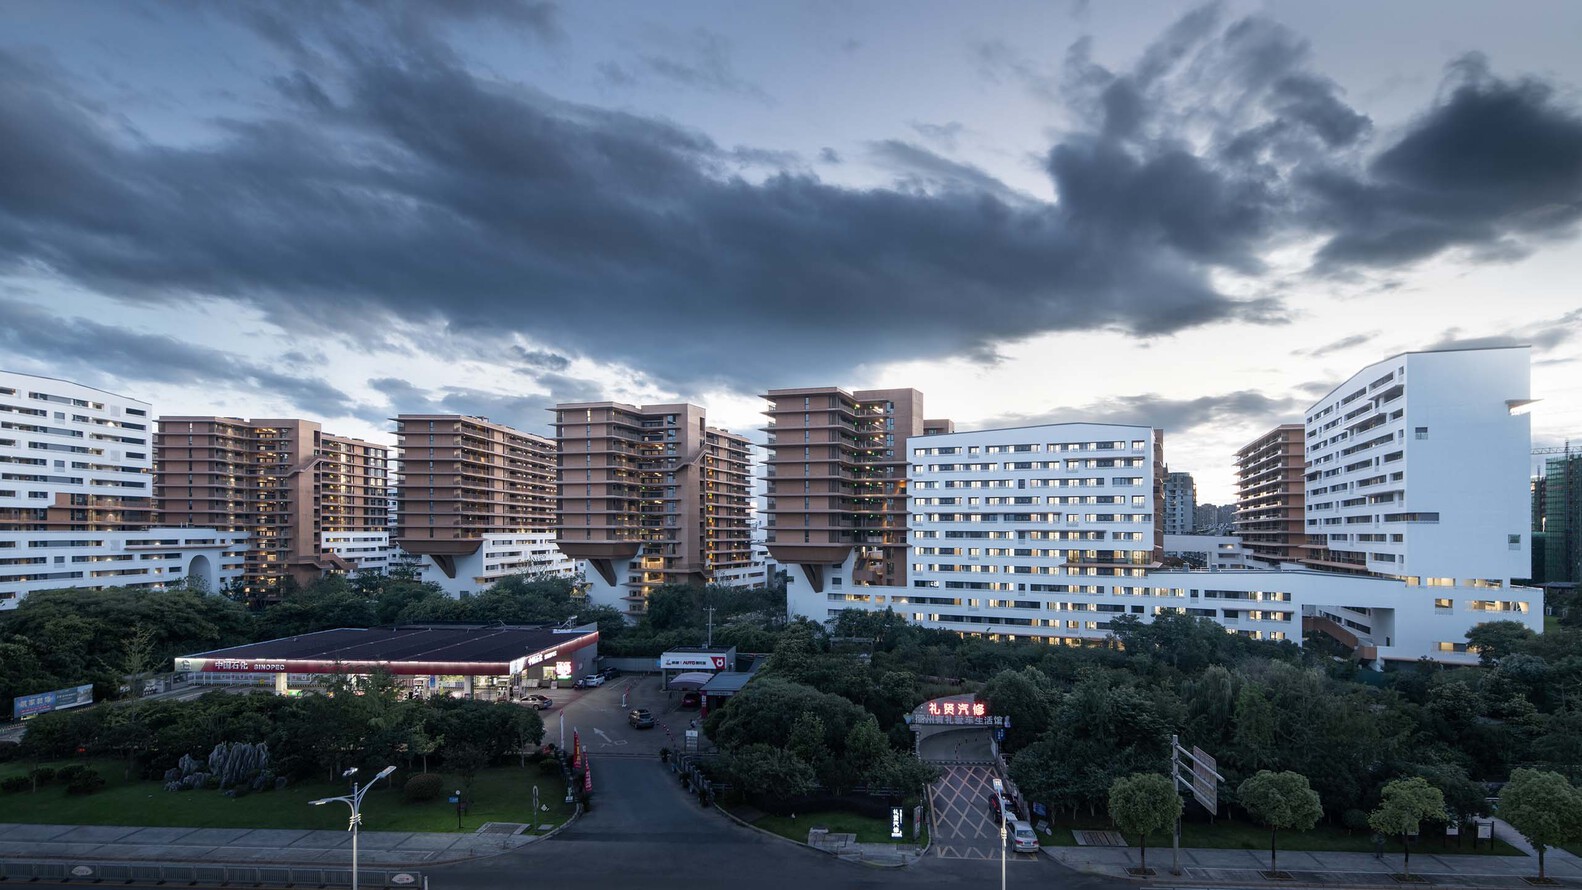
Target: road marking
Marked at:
607, 740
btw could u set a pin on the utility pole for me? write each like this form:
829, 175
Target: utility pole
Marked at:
710, 610
1175, 776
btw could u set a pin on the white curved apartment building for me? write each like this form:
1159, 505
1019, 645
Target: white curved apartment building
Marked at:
76, 478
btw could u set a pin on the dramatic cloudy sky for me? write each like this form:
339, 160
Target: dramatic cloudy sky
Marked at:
1199, 217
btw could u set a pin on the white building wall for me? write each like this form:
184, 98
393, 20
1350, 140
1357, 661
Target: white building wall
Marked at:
370, 551
1419, 463
59, 439
500, 556
157, 558
1219, 552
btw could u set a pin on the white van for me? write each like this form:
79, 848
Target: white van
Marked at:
1023, 840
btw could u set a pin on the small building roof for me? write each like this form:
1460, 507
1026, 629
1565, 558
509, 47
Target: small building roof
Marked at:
727, 682
411, 649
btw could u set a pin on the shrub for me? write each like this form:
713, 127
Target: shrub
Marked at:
422, 787
86, 783
42, 775
15, 784
68, 774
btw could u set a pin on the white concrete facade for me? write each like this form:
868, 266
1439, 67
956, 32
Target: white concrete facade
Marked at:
500, 556
1417, 468
156, 558
1044, 532
76, 486
369, 551
1416, 475
1213, 552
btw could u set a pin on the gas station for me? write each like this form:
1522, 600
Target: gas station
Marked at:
490, 663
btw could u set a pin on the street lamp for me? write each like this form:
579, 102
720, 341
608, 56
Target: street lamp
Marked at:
355, 801
999, 800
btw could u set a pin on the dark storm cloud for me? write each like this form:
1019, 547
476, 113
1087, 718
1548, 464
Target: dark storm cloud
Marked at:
403, 190
541, 359
121, 355
432, 199
529, 412
1170, 415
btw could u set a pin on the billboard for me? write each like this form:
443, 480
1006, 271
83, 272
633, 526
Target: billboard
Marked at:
25, 706
692, 661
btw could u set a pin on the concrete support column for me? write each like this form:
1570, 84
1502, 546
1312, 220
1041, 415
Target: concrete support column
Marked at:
468, 686
281, 683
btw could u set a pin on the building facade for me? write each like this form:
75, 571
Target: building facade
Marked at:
1270, 495
1180, 504
1041, 532
650, 495
1415, 478
1557, 499
310, 502
836, 482
476, 501
76, 497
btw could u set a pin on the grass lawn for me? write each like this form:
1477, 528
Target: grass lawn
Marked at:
500, 794
1229, 834
867, 830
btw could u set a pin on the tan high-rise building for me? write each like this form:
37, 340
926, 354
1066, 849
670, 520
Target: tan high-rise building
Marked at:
1269, 498
650, 495
476, 497
836, 477
295, 489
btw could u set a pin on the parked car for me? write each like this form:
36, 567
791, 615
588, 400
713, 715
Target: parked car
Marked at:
640, 718
541, 702
610, 673
590, 681
691, 699
1023, 839
998, 803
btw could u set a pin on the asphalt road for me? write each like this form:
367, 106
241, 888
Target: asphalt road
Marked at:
644, 831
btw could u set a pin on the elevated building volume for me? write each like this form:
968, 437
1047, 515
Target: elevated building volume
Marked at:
1269, 496
650, 495
476, 500
76, 497
1180, 504
311, 502
836, 481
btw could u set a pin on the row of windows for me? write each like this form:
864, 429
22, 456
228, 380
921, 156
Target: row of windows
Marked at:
1053, 447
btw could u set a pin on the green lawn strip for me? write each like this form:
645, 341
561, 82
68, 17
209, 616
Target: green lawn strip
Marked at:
1229, 834
500, 794
868, 830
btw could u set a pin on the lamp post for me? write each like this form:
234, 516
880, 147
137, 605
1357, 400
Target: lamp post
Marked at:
355, 801
999, 798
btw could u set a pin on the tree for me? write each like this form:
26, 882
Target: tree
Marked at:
773, 772
1543, 807
1405, 804
1142, 804
1280, 800
1496, 639
465, 760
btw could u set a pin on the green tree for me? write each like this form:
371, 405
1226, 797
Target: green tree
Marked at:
1496, 639
773, 772
1143, 804
1026, 698
1544, 808
1280, 800
467, 761
1405, 804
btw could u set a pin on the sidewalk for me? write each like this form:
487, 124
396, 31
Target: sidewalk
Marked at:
259, 846
1243, 868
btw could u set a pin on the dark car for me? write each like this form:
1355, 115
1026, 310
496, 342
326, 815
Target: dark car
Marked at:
611, 673
691, 699
640, 718
997, 803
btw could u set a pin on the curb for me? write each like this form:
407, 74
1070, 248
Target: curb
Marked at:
780, 837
